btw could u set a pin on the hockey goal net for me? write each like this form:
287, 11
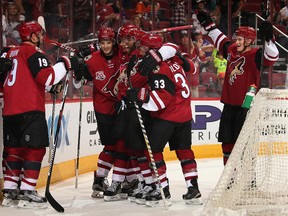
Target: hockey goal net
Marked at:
255, 178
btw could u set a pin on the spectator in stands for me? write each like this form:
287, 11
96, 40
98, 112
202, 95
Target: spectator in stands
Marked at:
142, 9
4, 24
138, 21
178, 17
283, 19
31, 8
156, 9
14, 19
221, 13
82, 18
220, 64
197, 55
200, 7
105, 15
266, 12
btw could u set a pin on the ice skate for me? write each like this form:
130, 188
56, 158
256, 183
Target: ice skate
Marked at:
155, 199
10, 197
132, 194
141, 196
100, 185
128, 187
31, 199
192, 197
113, 192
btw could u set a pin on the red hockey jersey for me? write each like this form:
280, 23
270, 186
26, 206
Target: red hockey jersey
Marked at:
105, 73
170, 94
242, 70
24, 86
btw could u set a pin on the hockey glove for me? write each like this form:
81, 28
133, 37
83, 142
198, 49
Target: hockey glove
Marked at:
206, 21
5, 65
266, 31
57, 88
185, 64
82, 71
71, 63
131, 64
87, 50
149, 62
138, 95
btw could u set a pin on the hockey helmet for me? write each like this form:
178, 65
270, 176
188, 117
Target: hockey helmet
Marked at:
27, 28
153, 41
106, 33
137, 33
124, 30
246, 32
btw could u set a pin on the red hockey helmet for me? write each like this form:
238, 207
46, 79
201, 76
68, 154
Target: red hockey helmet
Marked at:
136, 33
27, 28
246, 32
106, 33
153, 41
124, 30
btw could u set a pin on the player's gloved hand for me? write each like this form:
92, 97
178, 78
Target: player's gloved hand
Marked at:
149, 62
5, 65
266, 31
57, 88
82, 72
71, 63
138, 95
87, 50
206, 21
131, 64
185, 65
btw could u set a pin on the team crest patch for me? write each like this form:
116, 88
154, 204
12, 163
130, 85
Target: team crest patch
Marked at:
100, 75
27, 138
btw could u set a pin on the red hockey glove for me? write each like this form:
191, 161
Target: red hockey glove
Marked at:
206, 21
71, 63
149, 62
138, 95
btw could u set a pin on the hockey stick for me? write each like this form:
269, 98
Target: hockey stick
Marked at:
139, 115
52, 127
79, 135
41, 20
48, 195
60, 45
177, 28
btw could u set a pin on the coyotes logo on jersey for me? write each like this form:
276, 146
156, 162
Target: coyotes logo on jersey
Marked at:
235, 69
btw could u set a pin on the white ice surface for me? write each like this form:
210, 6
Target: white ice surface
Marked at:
78, 202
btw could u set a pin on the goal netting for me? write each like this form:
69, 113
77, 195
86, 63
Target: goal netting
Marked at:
255, 178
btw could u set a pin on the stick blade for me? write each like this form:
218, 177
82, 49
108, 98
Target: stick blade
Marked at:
41, 21
53, 202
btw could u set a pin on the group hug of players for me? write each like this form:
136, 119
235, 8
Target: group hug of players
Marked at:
140, 89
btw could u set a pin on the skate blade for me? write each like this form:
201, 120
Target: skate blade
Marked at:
158, 203
10, 202
123, 196
97, 194
131, 199
112, 198
32, 205
197, 201
140, 201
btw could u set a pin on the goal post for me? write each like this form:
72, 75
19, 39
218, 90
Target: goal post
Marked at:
255, 178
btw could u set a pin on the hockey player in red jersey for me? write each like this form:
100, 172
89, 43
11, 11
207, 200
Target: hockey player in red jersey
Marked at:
243, 70
25, 127
103, 69
168, 99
